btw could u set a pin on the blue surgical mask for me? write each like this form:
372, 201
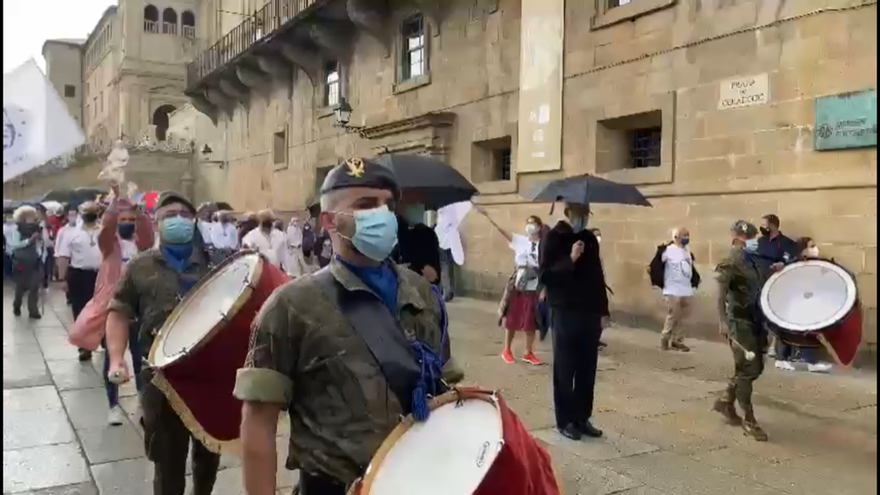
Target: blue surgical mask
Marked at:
414, 214
751, 245
578, 224
126, 230
177, 230
685, 241
375, 233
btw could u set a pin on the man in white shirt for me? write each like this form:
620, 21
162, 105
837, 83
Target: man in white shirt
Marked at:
266, 239
224, 238
79, 259
679, 282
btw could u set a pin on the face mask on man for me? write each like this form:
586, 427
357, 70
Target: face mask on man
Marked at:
414, 214
375, 234
177, 230
765, 231
578, 223
126, 230
751, 245
685, 241
266, 224
90, 217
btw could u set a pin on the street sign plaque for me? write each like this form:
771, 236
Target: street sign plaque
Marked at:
846, 121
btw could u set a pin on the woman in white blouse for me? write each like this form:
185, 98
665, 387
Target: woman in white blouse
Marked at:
519, 305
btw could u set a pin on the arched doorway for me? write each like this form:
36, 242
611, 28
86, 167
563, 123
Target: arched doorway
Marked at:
160, 120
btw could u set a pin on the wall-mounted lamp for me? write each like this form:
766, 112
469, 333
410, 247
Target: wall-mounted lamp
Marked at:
206, 154
206, 151
342, 112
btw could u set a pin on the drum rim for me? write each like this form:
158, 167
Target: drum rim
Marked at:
852, 298
366, 483
239, 303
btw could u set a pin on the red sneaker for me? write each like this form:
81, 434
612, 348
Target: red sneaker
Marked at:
507, 356
531, 358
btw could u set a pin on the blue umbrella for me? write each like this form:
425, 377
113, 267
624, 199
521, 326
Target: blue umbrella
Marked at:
587, 189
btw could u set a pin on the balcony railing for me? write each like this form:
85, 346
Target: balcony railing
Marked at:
151, 26
189, 32
263, 23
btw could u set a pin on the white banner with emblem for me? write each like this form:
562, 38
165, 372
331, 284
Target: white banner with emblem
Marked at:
36, 124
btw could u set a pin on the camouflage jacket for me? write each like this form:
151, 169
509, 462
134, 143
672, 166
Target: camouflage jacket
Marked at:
305, 356
150, 289
742, 276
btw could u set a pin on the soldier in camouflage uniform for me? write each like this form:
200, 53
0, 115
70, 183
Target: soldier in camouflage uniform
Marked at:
153, 283
308, 357
739, 283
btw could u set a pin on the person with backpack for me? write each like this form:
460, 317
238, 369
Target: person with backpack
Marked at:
673, 271
27, 245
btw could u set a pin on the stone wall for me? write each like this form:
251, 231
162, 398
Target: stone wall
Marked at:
149, 170
718, 165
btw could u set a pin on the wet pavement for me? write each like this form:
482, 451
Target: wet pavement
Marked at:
661, 437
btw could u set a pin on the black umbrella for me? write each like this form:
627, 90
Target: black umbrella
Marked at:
587, 189
73, 196
435, 183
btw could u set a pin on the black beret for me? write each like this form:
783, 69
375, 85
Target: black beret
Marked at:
169, 197
361, 172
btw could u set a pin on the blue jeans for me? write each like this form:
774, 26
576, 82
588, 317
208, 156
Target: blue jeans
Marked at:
111, 388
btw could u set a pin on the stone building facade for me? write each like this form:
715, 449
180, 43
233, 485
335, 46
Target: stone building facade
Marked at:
129, 72
721, 94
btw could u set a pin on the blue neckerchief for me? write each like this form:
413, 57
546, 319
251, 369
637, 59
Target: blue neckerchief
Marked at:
380, 279
178, 255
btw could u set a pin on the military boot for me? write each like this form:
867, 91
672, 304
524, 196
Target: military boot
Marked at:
725, 406
664, 343
751, 428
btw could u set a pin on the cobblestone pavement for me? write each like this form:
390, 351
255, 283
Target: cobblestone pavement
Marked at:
661, 437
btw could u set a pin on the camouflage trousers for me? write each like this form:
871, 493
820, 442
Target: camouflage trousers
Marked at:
745, 373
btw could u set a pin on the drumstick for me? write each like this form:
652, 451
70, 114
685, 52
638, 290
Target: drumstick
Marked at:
116, 377
750, 356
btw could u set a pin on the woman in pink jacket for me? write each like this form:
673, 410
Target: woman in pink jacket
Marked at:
125, 231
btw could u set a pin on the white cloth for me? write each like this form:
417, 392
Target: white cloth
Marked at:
36, 120
294, 236
272, 246
128, 249
224, 236
678, 269
525, 254
449, 220
205, 228
80, 245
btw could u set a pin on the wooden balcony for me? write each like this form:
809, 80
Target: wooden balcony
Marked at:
283, 36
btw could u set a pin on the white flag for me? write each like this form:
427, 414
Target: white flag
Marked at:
36, 125
449, 218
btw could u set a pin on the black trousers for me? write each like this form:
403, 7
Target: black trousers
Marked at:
312, 484
575, 358
167, 442
80, 288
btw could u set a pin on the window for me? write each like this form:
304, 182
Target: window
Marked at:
629, 142
414, 63
493, 160
169, 21
332, 84
617, 3
611, 12
644, 147
279, 148
188, 20
69, 91
151, 19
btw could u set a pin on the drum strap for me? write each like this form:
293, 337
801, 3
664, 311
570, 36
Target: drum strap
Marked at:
382, 334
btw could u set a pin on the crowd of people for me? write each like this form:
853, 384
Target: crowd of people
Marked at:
125, 269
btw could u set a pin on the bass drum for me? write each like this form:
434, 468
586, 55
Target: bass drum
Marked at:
471, 444
814, 303
204, 342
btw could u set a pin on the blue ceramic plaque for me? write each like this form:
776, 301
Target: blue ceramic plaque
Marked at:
846, 121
